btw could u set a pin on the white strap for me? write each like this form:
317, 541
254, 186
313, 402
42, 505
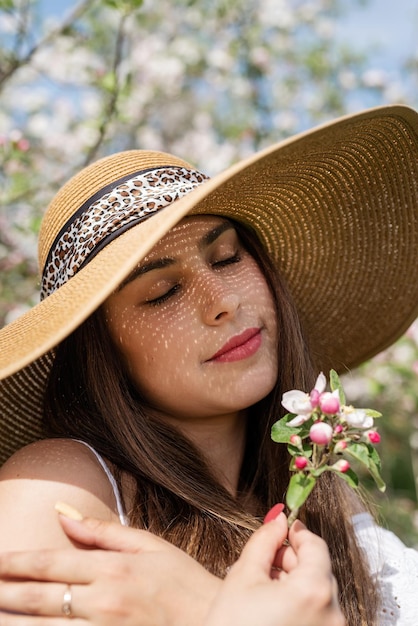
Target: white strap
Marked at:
122, 517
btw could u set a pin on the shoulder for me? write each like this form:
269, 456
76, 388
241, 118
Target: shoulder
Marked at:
36, 477
60, 460
395, 567
42, 457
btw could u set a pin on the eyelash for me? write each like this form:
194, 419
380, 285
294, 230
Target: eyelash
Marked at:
236, 258
164, 297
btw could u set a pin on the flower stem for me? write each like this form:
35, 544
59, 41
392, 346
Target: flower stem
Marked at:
292, 517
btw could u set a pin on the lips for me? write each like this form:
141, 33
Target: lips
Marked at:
239, 347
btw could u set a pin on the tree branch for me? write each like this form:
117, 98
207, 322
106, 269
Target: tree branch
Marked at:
110, 108
78, 10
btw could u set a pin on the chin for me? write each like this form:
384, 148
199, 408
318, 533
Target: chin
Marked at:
250, 395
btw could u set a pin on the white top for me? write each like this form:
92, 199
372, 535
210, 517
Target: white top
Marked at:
396, 569
393, 564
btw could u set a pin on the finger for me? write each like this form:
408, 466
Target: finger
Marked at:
274, 512
285, 559
259, 553
65, 566
7, 619
111, 536
23, 603
310, 549
32, 598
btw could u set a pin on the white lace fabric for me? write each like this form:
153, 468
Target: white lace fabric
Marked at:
396, 570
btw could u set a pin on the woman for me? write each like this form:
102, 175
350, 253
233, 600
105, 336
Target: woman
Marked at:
166, 338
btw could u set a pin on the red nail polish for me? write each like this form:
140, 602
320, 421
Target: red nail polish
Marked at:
274, 512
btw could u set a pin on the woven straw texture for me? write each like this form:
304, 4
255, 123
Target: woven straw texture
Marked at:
336, 207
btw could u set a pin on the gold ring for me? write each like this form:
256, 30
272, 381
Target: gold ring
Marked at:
66, 602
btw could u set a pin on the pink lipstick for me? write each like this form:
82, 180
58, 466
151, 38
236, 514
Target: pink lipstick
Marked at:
239, 347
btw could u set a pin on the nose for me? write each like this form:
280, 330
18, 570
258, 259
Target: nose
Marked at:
220, 302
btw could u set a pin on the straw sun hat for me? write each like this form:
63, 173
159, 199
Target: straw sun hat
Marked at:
336, 207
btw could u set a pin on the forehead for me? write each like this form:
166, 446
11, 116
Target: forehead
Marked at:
187, 233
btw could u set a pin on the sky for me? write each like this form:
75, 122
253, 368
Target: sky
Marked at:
389, 26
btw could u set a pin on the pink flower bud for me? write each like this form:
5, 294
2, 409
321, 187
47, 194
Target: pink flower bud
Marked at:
374, 436
320, 433
301, 462
314, 398
338, 429
329, 403
340, 446
342, 466
295, 440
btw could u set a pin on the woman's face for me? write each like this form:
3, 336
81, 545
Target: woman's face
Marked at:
196, 323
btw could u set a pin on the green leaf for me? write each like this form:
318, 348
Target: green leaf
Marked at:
319, 470
380, 483
307, 449
300, 486
349, 476
280, 433
109, 81
7, 5
368, 456
374, 455
335, 383
360, 452
372, 412
123, 5
113, 4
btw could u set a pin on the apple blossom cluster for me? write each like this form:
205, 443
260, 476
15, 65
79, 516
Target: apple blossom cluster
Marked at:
323, 433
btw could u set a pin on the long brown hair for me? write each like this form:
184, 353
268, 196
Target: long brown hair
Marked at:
176, 496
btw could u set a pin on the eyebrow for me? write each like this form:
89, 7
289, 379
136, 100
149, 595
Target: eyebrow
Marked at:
207, 239
213, 234
140, 270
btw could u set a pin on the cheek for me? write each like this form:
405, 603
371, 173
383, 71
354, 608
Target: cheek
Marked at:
259, 292
150, 339
160, 367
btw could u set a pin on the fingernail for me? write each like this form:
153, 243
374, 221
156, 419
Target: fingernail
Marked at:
274, 512
68, 511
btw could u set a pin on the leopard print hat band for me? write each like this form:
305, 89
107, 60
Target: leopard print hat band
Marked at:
110, 212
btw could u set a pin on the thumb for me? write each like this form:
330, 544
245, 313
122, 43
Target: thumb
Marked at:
259, 554
96, 533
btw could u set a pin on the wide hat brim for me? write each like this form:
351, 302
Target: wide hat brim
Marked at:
337, 209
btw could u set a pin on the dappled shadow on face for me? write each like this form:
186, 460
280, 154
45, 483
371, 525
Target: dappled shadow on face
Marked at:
196, 324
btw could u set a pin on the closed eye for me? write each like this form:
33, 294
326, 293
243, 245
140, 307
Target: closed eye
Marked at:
165, 296
236, 258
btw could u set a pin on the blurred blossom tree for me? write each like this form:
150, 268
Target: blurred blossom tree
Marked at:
210, 80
